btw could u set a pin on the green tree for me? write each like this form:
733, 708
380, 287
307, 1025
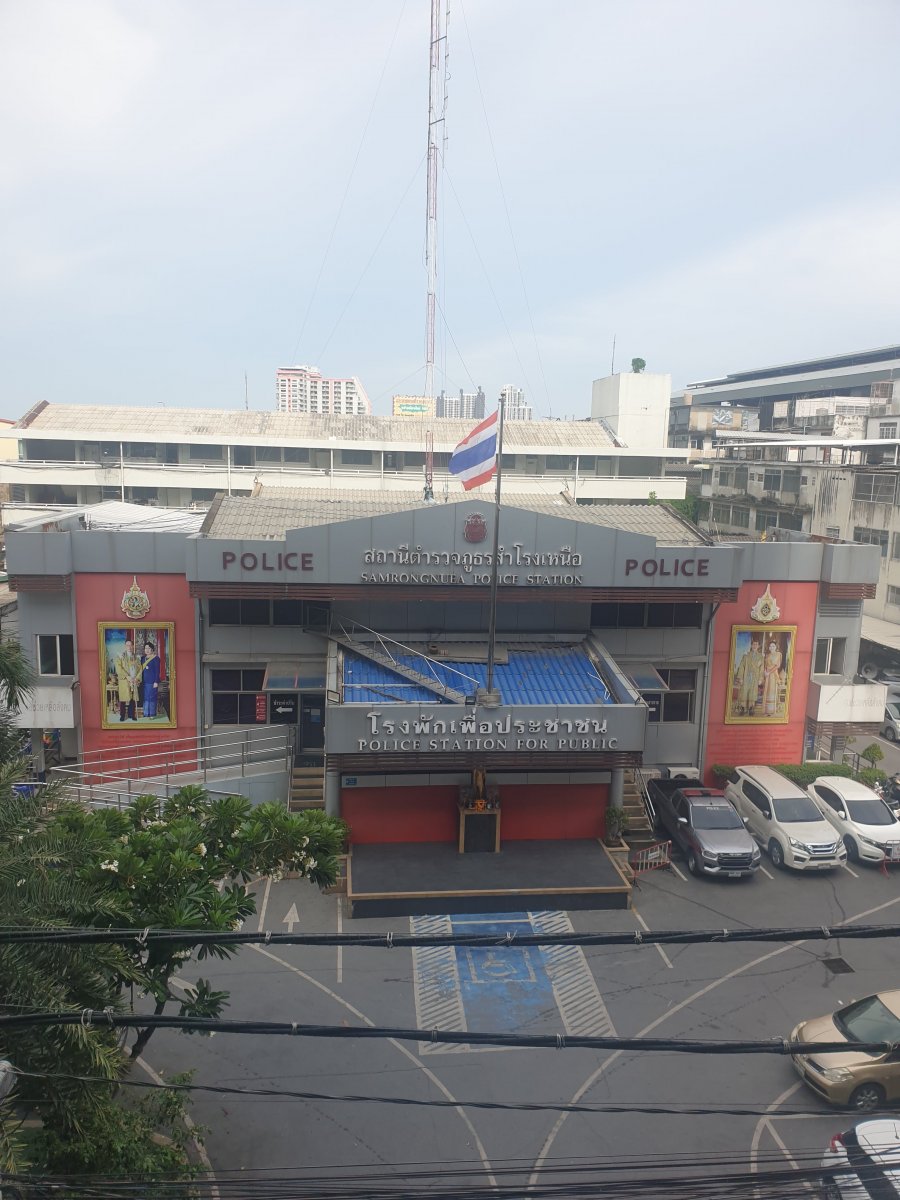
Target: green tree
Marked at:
873, 754
687, 507
184, 863
637, 365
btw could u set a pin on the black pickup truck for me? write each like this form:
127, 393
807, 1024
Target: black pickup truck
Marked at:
706, 826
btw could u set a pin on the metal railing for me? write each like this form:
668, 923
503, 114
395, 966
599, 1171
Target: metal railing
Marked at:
116, 774
381, 650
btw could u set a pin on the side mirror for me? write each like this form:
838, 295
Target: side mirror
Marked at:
682, 821
767, 813
746, 820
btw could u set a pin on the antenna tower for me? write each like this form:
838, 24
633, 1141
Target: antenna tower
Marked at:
437, 103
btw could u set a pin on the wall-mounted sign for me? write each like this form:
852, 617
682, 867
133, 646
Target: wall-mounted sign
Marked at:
135, 603
483, 731
262, 708
283, 708
47, 708
274, 561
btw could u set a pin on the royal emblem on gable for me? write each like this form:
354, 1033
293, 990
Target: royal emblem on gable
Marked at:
766, 607
475, 528
135, 603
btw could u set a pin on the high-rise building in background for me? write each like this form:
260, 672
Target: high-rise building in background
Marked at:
413, 406
464, 407
514, 406
306, 390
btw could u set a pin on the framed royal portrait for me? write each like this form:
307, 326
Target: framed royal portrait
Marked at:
137, 674
760, 669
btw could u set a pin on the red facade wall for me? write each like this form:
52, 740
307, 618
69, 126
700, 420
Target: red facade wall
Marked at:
761, 744
99, 598
430, 814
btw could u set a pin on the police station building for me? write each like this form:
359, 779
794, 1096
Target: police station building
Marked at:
359, 622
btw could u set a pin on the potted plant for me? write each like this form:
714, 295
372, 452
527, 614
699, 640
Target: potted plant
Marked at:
616, 826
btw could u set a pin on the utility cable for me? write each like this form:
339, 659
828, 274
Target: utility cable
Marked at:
12, 935
111, 1020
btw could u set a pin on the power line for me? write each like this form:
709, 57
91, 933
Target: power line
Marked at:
11, 935
111, 1020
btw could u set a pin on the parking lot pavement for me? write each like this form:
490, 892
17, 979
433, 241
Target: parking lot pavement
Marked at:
710, 991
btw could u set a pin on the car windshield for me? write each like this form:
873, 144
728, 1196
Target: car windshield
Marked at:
869, 812
894, 711
714, 816
868, 1021
796, 808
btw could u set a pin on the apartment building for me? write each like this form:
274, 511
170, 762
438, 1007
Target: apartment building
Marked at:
306, 391
514, 406
467, 406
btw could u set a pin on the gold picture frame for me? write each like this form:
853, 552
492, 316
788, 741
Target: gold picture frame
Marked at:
760, 673
138, 694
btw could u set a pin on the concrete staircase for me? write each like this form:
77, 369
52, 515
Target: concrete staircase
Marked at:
639, 833
307, 788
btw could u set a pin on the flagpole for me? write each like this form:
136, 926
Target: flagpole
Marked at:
492, 624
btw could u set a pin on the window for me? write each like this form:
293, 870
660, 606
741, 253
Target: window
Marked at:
140, 449
649, 616
833, 531
741, 517
726, 476
875, 488
830, 656
268, 454
790, 481
832, 799
56, 654
209, 453
721, 514
253, 611
772, 481
872, 537
740, 478
756, 796
296, 454
887, 429
508, 462
560, 462
677, 704
765, 519
202, 494
356, 458
893, 595
237, 697
242, 456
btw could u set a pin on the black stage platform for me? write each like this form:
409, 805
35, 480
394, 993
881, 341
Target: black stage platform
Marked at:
425, 878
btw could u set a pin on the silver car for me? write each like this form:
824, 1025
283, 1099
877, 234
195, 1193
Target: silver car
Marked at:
890, 727
711, 834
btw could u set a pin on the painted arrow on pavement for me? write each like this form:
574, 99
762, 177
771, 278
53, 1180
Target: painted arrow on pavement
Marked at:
290, 918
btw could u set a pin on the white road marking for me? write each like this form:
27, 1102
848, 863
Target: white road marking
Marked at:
436, 987
764, 1123
768, 874
776, 1137
646, 928
407, 1053
583, 1012
265, 905
190, 1125
671, 1012
681, 876
290, 918
850, 870
340, 930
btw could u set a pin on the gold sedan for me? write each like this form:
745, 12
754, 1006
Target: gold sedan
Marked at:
853, 1078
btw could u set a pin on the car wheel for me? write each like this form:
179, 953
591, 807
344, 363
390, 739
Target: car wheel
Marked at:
890, 734
692, 865
867, 1097
776, 854
852, 849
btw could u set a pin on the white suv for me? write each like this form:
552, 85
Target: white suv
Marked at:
783, 819
868, 828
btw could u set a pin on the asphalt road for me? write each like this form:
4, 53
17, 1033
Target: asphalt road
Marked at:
891, 760
713, 991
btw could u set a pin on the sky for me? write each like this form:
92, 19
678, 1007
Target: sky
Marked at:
192, 190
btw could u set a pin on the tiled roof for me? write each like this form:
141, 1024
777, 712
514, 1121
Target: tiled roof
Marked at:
276, 510
232, 426
544, 675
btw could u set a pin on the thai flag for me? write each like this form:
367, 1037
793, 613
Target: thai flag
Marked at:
475, 458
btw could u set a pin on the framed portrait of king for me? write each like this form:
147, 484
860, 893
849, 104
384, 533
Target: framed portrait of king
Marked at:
760, 669
137, 674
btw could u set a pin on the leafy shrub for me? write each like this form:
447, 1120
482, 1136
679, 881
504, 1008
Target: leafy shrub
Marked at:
800, 773
872, 777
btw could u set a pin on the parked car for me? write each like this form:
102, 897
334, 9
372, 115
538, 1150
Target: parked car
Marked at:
863, 1161
783, 819
890, 728
707, 828
853, 1079
870, 831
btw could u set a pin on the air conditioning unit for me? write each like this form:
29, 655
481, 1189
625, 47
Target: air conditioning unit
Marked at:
681, 773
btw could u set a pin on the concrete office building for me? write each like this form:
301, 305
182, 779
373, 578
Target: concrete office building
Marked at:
78, 455
357, 625
305, 390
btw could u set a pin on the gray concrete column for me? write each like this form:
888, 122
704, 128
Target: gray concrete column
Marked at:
616, 787
332, 792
